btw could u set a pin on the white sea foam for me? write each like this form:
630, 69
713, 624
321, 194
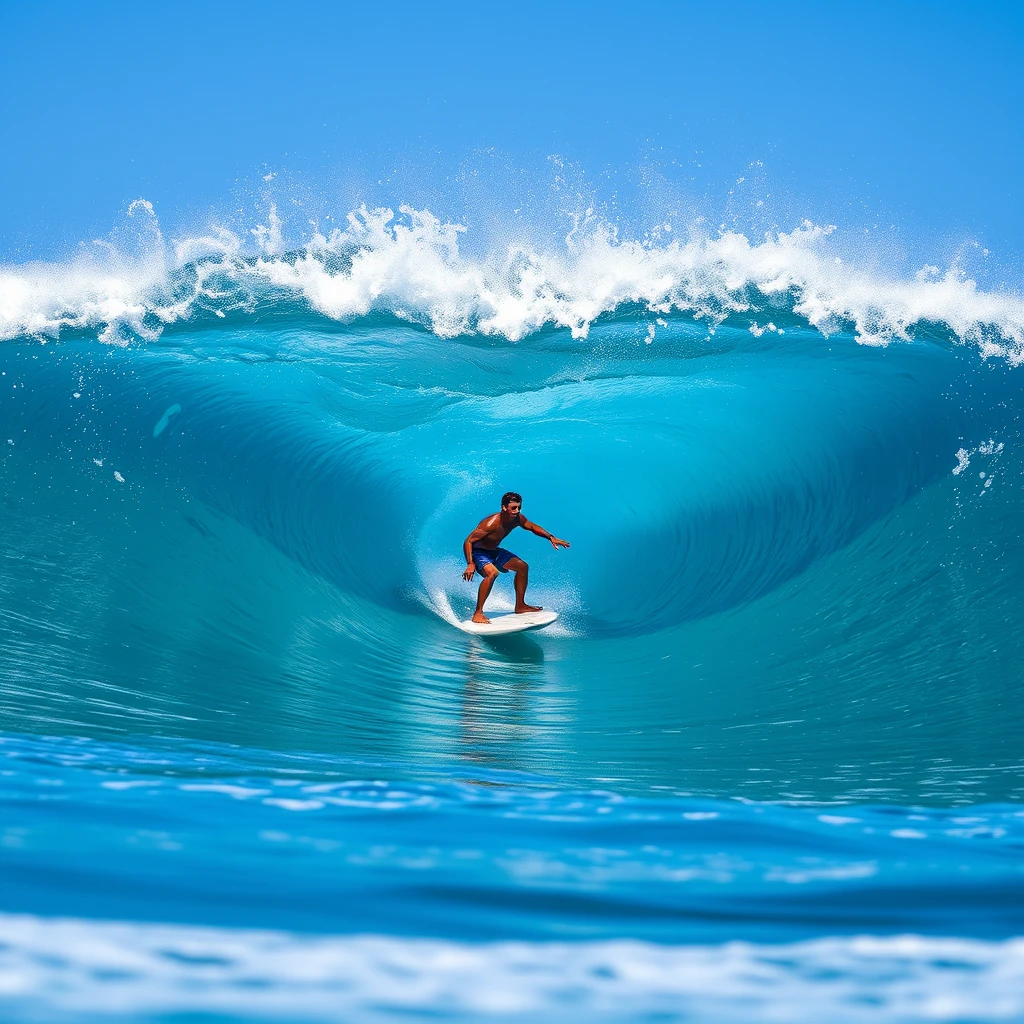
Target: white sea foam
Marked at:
411, 265
97, 970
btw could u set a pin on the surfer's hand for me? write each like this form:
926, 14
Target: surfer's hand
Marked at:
470, 569
556, 543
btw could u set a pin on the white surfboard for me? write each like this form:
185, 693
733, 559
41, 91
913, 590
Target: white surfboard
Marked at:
501, 625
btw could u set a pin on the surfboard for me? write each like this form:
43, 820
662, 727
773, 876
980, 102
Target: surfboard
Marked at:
501, 625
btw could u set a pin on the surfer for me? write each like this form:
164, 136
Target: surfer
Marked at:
484, 556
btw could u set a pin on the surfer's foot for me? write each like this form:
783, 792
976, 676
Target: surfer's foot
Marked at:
523, 608
480, 617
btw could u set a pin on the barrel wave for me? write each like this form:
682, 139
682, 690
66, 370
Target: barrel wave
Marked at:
235, 490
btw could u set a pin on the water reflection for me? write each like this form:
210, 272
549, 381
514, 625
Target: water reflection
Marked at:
498, 720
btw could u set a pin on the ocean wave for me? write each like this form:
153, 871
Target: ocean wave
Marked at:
843, 450
411, 266
760, 532
73, 969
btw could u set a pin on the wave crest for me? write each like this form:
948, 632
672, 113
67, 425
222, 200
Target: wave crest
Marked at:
411, 266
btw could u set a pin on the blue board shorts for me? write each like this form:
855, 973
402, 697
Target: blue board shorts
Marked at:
497, 557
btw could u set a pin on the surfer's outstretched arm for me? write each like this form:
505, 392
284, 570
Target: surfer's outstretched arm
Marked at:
541, 532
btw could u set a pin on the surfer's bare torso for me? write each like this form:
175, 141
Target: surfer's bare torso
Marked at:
490, 532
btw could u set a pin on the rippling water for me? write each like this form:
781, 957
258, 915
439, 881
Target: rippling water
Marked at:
769, 757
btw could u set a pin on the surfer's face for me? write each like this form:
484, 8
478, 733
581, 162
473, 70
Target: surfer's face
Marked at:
512, 508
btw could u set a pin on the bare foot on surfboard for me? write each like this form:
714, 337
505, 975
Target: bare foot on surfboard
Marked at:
522, 609
480, 617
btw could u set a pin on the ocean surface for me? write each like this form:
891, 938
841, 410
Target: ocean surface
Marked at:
769, 763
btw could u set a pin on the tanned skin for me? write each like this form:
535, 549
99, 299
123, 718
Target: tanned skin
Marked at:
489, 535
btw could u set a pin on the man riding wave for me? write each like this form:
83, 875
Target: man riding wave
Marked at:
484, 555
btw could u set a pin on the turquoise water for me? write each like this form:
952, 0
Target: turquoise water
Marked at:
769, 757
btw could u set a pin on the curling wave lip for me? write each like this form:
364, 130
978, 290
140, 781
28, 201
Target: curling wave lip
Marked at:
411, 267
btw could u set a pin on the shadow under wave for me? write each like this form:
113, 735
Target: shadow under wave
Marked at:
686, 496
684, 491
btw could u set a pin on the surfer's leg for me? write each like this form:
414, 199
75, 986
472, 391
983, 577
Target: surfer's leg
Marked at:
522, 571
490, 574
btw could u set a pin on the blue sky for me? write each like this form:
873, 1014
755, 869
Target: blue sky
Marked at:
859, 113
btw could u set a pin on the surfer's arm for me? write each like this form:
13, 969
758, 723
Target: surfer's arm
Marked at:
467, 549
541, 532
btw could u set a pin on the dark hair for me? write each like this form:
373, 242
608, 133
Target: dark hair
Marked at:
510, 496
